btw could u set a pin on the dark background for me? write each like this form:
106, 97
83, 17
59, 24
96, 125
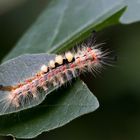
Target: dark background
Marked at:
117, 88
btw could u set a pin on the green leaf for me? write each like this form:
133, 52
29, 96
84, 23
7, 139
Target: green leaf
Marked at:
64, 21
131, 14
62, 24
17, 70
58, 109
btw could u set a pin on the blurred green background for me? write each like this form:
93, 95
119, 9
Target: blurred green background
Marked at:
117, 88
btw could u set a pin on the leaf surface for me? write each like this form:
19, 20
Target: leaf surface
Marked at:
58, 109
62, 24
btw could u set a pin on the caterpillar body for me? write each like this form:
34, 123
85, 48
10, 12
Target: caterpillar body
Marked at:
48, 76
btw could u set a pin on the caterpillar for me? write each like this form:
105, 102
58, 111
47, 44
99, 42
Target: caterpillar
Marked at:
59, 70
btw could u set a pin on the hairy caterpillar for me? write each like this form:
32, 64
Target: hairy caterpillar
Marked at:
58, 70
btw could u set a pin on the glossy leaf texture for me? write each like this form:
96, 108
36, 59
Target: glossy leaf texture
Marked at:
19, 70
63, 22
131, 14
